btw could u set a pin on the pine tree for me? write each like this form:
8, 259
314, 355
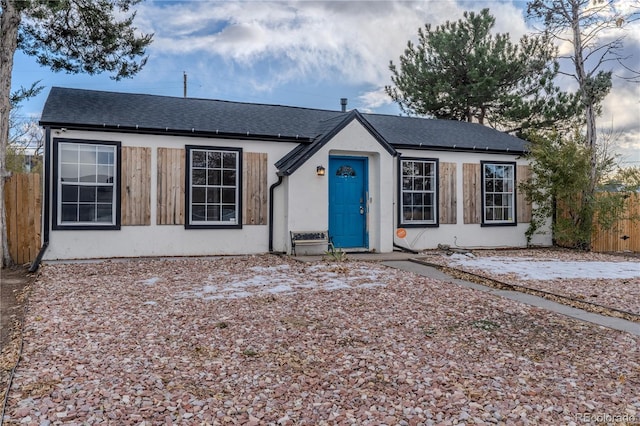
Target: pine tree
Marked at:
461, 71
89, 36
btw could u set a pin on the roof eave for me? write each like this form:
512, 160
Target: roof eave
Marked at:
454, 148
177, 132
385, 144
315, 146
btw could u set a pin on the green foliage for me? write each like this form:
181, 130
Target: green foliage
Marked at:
559, 171
14, 163
596, 88
461, 71
16, 160
24, 93
616, 196
337, 255
87, 36
611, 207
560, 190
627, 179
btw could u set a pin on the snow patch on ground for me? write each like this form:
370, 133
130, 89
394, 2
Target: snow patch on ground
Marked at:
283, 267
281, 279
533, 269
150, 281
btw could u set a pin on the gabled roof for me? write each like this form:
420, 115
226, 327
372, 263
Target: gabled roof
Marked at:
414, 132
127, 111
329, 128
312, 128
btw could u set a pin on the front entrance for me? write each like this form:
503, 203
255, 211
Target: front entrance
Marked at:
348, 201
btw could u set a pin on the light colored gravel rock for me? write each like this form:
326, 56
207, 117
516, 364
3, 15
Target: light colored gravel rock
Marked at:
608, 280
267, 340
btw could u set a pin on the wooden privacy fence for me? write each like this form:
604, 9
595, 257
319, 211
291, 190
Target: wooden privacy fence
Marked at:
625, 233
23, 200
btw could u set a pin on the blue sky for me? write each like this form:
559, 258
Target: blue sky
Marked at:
304, 53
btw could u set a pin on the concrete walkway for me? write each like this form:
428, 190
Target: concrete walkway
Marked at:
603, 320
364, 256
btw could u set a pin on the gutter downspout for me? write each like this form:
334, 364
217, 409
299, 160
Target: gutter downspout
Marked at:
45, 201
405, 248
271, 191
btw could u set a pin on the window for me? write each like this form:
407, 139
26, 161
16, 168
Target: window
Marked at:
418, 196
87, 175
213, 187
345, 171
498, 193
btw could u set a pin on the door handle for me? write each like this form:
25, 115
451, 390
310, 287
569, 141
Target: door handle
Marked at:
361, 210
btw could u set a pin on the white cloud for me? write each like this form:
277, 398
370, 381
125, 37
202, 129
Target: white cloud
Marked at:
621, 108
353, 40
262, 46
293, 40
627, 145
374, 99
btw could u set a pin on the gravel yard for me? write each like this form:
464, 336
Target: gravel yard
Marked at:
608, 280
268, 340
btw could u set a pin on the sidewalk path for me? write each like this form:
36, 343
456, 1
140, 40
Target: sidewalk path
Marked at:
603, 320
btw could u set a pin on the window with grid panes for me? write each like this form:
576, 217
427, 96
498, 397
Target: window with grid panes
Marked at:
498, 189
86, 184
418, 202
213, 186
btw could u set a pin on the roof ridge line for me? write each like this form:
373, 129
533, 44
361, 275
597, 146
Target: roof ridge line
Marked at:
196, 99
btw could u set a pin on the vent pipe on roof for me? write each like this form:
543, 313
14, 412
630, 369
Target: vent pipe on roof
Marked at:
343, 103
184, 83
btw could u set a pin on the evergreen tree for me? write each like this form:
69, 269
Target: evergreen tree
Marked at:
461, 71
89, 36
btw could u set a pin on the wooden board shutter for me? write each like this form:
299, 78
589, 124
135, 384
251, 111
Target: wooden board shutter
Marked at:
136, 186
472, 192
171, 184
254, 193
523, 174
447, 204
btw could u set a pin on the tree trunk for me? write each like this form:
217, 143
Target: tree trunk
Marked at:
590, 117
9, 23
483, 111
587, 99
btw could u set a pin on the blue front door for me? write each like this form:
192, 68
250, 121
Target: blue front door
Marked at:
347, 201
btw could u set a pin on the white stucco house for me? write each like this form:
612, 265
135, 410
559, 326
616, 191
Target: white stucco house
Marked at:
130, 175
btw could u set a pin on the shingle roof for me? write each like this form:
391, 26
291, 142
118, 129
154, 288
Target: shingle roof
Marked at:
91, 108
329, 128
156, 114
413, 132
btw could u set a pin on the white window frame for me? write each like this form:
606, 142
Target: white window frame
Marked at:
95, 149
498, 193
418, 189
201, 194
